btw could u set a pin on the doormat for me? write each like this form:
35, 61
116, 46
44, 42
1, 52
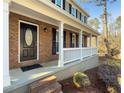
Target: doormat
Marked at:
27, 68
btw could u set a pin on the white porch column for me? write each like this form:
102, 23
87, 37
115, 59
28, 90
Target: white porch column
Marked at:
80, 43
6, 77
61, 61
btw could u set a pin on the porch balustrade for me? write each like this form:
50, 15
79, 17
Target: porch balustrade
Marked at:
73, 54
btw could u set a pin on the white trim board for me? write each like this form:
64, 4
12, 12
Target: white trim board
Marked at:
19, 21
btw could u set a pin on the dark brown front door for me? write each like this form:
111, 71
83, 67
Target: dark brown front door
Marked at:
28, 42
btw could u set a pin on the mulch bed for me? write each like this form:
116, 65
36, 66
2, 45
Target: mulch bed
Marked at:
97, 86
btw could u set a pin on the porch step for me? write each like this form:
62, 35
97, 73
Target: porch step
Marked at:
47, 85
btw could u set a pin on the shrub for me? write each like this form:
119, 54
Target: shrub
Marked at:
109, 73
114, 63
111, 89
81, 80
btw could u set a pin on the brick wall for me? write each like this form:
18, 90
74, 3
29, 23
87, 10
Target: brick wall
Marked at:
45, 41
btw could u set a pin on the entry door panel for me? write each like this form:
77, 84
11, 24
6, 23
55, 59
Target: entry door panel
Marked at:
28, 42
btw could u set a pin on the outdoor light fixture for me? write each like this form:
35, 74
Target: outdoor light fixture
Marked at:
45, 29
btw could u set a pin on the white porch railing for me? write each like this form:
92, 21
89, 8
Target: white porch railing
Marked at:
72, 54
94, 51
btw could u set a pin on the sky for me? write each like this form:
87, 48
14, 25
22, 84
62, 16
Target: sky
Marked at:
96, 11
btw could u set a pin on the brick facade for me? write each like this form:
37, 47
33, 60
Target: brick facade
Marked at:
45, 41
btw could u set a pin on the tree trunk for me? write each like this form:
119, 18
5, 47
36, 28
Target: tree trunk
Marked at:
105, 21
106, 29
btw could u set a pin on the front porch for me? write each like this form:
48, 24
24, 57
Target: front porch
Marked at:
74, 52
20, 80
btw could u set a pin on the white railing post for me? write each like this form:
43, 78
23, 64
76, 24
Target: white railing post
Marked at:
61, 61
91, 42
6, 77
80, 44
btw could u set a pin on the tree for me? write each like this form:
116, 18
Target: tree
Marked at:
105, 28
118, 23
94, 23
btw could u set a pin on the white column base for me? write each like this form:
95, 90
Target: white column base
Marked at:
6, 81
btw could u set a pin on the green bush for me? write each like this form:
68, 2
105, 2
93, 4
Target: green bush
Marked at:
81, 80
114, 63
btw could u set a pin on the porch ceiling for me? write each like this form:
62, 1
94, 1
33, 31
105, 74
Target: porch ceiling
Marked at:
71, 28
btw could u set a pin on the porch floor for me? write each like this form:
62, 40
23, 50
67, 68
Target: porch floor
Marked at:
20, 79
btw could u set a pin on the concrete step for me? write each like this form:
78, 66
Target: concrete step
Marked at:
46, 85
53, 88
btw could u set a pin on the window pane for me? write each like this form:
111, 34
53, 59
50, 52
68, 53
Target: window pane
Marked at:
73, 11
73, 40
85, 19
82, 18
58, 2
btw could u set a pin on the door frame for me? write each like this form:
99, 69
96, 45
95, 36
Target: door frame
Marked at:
30, 23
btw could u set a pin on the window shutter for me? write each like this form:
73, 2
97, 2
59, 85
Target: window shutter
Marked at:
70, 6
80, 16
53, 41
53, 1
70, 39
85, 41
64, 4
76, 13
77, 38
64, 43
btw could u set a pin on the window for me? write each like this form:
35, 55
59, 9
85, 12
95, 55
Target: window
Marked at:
84, 41
55, 41
73, 11
64, 42
85, 19
72, 40
66, 6
58, 2
82, 18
